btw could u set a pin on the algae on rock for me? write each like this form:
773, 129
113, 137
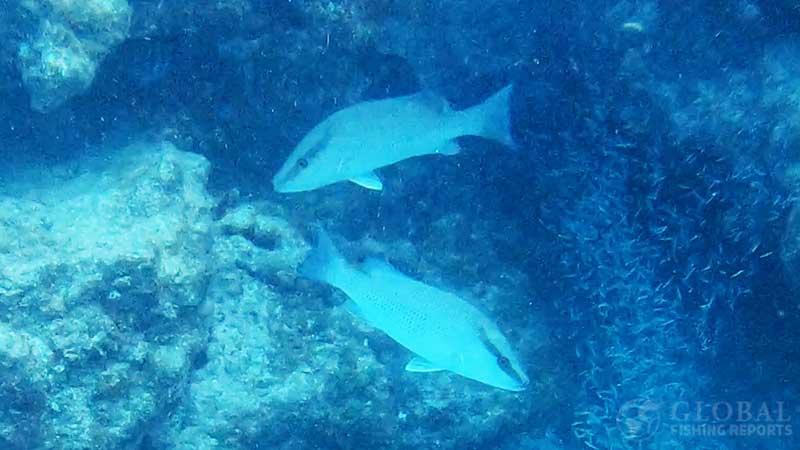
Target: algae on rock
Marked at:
101, 267
60, 60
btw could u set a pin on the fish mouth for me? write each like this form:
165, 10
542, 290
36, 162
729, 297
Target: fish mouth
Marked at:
517, 385
285, 183
279, 186
522, 380
523, 386
519, 380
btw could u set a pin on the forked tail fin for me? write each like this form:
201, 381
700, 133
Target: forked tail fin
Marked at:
494, 117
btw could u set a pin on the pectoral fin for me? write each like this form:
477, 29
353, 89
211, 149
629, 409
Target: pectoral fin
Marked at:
369, 180
420, 364
450, 148
353, 309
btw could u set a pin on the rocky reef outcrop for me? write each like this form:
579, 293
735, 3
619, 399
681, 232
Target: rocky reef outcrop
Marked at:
134, 311
67, 41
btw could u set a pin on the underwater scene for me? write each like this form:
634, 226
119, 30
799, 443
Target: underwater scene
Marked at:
385, 224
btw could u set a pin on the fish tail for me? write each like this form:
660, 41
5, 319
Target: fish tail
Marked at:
493, 117
324, 262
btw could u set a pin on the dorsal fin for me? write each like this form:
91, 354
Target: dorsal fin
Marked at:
371, 265
432, 100
420, 364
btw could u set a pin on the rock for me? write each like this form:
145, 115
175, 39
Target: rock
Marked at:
127, 313
288, 368
266, 244
60, 59
102, 263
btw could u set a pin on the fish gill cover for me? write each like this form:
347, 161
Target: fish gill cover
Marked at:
639, 248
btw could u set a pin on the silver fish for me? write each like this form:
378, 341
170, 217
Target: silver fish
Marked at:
442, 330
352, 143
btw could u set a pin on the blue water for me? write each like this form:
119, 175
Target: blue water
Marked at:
639, 247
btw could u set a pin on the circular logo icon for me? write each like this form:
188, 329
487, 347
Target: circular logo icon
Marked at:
639, 419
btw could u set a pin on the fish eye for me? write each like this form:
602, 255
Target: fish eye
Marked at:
503, 362
302, 162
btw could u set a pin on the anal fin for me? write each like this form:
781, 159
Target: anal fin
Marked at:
420, 364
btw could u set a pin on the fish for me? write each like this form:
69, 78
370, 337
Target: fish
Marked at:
443, 331
352, 143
